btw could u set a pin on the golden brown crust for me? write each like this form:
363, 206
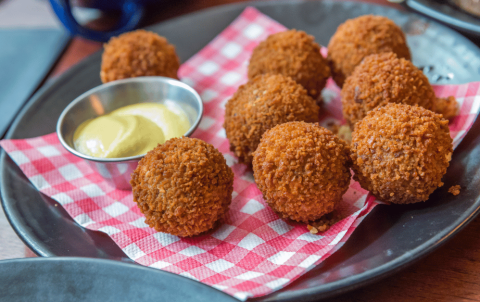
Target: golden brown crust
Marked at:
138, 53
324, 223
183, 187
359, 37
302, 170
401, 152
294, 54
448, 107
381, 79
344, 132
261, 104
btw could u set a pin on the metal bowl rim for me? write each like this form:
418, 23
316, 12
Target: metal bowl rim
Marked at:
81, 97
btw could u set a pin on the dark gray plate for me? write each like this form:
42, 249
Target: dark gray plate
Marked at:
85, 279
447, 13
388, 239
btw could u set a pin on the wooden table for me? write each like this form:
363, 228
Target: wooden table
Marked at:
452, 273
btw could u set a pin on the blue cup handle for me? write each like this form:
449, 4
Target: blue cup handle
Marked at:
130, 18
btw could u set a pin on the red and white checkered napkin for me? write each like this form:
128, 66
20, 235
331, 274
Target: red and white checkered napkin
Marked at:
254, 252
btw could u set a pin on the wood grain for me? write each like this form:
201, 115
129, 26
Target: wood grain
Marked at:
452, 273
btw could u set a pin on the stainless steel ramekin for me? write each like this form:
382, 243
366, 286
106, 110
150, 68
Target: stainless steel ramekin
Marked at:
108, 97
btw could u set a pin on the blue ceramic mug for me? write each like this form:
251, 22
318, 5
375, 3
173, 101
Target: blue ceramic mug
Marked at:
131, 14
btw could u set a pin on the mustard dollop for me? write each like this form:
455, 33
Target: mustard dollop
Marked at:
130, 131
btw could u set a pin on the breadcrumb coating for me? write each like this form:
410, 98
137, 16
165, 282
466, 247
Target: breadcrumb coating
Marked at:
448, 107
183, 187
362, 36
381, 79
455, 190
342, 131
324, 223
264, 102
138, 53
401, 152
294, 54
302, 170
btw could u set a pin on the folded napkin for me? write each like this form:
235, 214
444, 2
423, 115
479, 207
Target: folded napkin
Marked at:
253, 252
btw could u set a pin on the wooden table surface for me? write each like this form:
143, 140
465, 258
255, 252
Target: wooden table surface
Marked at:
452, 273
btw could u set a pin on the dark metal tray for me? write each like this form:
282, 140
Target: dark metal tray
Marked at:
389, 238
85, 279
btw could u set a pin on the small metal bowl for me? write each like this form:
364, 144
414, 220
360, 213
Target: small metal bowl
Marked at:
108, 97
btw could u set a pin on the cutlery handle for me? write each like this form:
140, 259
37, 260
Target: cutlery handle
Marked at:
445, 13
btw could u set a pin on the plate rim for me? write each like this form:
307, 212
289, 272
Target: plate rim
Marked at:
320, 292
113, 263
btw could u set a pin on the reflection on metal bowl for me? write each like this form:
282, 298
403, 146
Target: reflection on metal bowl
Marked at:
108, 97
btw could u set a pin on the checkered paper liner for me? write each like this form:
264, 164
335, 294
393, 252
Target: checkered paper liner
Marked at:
253, 252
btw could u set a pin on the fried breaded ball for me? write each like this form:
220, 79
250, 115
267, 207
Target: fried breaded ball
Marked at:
302, 170
448, 107
138, 53
381, 79
359, 37
261, 104
401, 152
183, 187
295, 54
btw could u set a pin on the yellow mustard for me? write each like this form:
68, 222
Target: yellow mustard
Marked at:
131, 130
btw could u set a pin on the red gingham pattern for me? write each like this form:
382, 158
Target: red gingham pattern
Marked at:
254, 252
